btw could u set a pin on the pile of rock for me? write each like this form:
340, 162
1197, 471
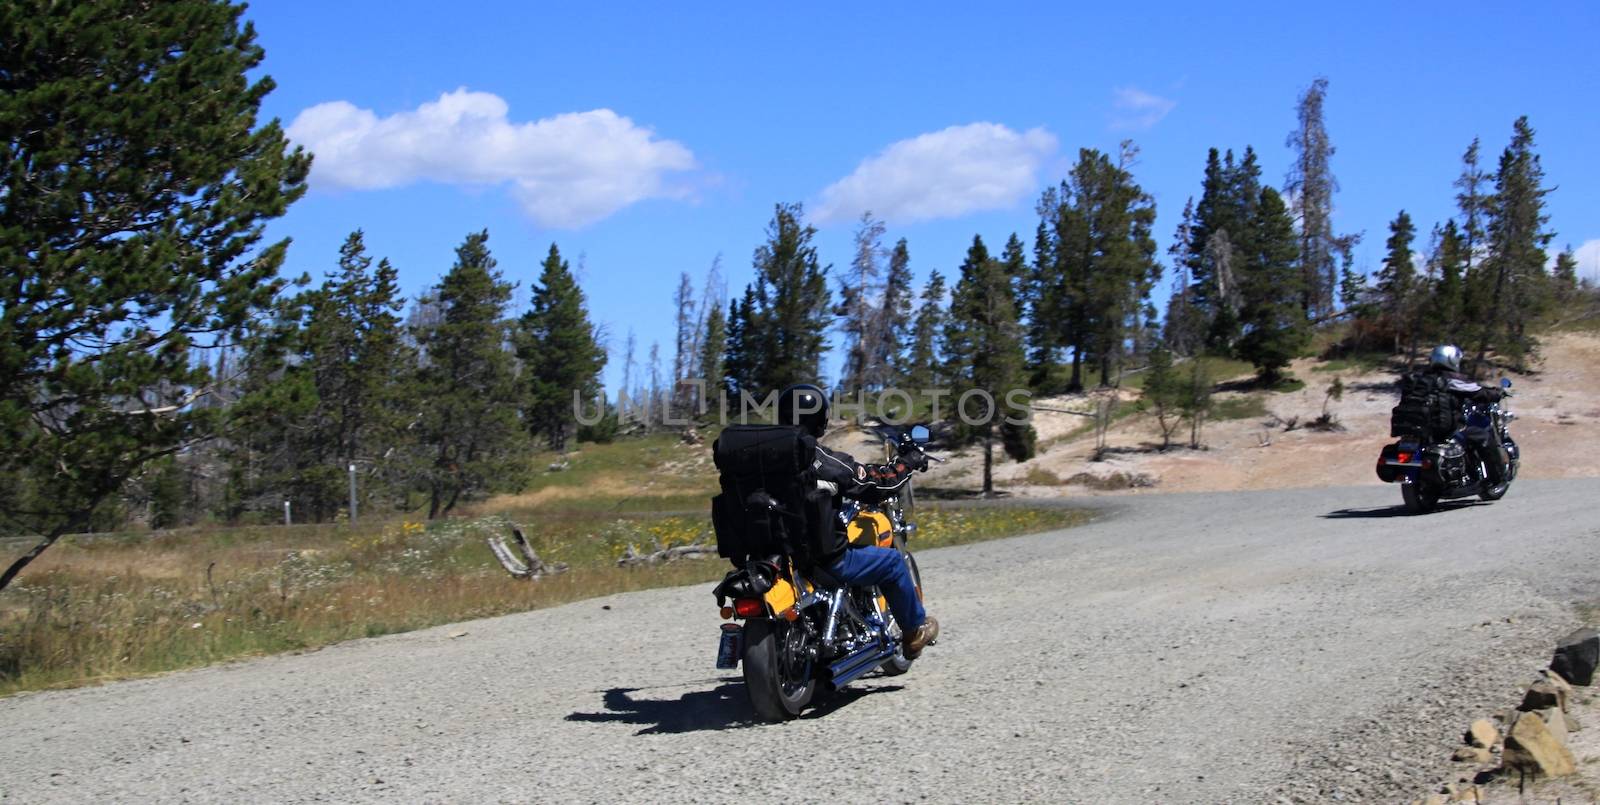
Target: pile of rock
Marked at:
1535, 741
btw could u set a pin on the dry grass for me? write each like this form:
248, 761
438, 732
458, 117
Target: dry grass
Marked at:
96, 609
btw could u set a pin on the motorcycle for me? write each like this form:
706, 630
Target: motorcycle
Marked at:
1428, 472
795, 629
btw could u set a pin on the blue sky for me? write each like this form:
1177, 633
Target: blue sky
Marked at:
650, 138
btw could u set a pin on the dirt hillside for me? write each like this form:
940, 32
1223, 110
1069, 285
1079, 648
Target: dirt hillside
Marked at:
1557, 404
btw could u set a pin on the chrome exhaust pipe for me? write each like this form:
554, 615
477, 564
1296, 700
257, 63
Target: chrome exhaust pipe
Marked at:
843, 671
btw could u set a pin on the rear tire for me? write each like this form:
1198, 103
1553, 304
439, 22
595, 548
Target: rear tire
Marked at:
1418, 500
1496, 492
898, 664
777, 668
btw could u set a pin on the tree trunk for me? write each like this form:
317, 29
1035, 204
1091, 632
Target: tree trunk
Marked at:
988, 461
50, 539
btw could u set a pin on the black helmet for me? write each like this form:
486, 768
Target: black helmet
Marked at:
804, 405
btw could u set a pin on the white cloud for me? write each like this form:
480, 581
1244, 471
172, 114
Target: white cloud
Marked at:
942, 174
1133, 108
566, 171
1588, 256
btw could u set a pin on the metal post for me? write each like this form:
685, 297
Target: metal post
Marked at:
286, 513
352, 493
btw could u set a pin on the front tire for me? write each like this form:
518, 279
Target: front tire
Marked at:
898, 664
777, 668
1419, 500
1496, 492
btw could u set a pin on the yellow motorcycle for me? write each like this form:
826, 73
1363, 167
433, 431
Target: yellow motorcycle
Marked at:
793, 627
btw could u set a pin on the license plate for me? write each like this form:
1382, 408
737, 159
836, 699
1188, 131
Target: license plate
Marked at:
731, 647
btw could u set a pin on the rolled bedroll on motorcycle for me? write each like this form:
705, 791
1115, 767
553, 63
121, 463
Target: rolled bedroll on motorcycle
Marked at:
1433, 464
795, 629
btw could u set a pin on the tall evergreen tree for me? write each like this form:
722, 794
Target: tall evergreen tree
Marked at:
1517, 240
468, 432
1186, 326
560, 353
895, 318
1274, 324
1397, 282
1311, 185
984, 344
925, 358
1098, 224
353, 353
135, 185
1565, 276
1447, 263
713, 345
782, 321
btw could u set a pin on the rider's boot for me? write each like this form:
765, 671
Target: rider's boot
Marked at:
926, 635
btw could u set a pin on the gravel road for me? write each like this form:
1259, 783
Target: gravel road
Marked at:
1246, 647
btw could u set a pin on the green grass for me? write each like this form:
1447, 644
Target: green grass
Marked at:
103, 608
1248, 406
1217, 368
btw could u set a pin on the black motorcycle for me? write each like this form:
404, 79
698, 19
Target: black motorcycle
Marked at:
1429, 472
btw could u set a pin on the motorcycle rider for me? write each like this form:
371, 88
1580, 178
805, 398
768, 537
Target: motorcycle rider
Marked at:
806, 406
1485, 442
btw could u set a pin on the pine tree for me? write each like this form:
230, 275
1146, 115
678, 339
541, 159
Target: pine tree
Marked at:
1565, 275
895, 318
783, 319
984, 346
1397, 281
1311, 185
1162, 394
712, 346
1098, 227
1273, 322
560, 353
1517, 240
925, 359
1186, 327
135, 186
1447, 263
468, 431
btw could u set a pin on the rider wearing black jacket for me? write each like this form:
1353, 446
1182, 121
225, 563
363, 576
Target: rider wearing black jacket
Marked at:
1446, 361
806, 406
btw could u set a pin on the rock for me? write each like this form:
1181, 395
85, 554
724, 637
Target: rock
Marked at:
1556, 722
1431, 799
1482, 734
1576, 656
1572, 723
458, 634
1543, 694
1471, 754
1467, 793
1532, 750
1559, 684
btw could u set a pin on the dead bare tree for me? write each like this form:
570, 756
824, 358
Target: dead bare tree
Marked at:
529, 567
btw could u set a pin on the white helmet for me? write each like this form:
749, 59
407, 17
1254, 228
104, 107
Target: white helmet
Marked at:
1446, 356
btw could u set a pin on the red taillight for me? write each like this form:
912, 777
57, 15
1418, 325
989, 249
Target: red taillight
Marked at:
1403, 458
749, 607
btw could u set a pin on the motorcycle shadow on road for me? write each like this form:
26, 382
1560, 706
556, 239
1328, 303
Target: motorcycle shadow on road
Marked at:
1443, 506
723, 707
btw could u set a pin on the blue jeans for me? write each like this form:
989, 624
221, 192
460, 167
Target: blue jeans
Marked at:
864, 567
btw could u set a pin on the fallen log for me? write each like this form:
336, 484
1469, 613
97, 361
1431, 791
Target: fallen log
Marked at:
529, 566
631, 555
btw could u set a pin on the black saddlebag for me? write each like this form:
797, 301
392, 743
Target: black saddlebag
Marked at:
773, 460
